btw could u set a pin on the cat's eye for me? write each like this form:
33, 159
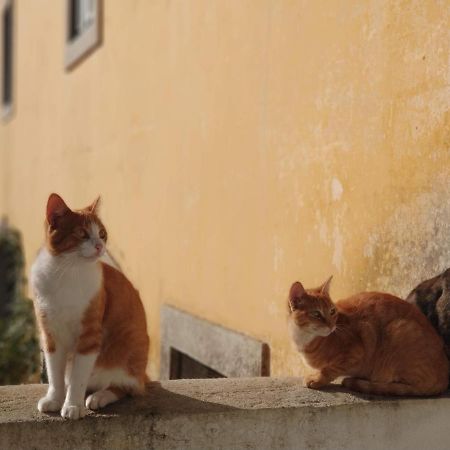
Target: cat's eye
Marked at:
316, 314
332, 311
82, 233
102, 234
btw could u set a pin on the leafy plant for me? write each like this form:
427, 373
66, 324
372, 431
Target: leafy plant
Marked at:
19, 346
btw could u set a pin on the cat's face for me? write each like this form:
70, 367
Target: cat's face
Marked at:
76, 232
312, 310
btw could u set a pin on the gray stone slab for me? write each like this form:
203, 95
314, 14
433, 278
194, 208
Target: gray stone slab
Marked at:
226, 351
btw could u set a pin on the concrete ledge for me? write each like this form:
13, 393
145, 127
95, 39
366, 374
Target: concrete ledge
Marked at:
250, 413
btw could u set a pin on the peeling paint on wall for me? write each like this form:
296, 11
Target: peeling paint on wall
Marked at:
413, 244
336, 189
338, 248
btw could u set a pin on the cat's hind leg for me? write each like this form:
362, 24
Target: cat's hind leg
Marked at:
100, 399
108, 385
385, 388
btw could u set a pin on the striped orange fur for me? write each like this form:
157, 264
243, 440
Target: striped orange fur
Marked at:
91, 318
381, 343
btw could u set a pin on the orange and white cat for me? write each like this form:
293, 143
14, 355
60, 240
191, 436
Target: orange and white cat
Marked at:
91, 318
381, 343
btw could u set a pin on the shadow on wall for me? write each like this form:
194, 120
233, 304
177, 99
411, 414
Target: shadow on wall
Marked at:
413, 244
19, 346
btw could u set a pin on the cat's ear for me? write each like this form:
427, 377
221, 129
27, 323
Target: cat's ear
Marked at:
297, 290
325, 288
56, 208
94, 206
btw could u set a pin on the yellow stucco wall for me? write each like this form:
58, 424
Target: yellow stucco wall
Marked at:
240, 145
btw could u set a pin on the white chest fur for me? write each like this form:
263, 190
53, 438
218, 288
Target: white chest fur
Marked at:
64, 287
300, 338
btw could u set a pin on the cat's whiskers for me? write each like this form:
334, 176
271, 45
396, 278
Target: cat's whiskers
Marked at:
342, 331
291, 305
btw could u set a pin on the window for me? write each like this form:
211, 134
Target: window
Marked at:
183, 366
83, 29
195, 348
7, 24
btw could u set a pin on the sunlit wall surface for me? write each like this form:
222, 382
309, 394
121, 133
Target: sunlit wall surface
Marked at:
239, 146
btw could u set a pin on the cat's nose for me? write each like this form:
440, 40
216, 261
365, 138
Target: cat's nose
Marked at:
98, 247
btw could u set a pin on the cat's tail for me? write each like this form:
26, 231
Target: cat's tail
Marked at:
380, 388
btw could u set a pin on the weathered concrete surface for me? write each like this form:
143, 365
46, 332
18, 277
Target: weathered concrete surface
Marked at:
250, 413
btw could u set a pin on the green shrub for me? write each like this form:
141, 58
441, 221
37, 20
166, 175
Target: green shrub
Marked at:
19, 346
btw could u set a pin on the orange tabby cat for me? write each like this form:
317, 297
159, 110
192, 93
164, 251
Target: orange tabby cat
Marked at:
381, 343
91, 318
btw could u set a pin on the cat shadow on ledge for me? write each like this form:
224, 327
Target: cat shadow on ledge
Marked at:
157, 400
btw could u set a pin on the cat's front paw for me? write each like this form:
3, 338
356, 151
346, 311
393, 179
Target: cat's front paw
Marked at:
73, 411
313, 382
49, 403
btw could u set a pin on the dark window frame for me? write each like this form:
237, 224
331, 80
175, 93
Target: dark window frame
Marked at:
7, 25
81, 37
183, 366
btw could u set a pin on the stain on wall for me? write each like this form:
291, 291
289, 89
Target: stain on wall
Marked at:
414, 243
